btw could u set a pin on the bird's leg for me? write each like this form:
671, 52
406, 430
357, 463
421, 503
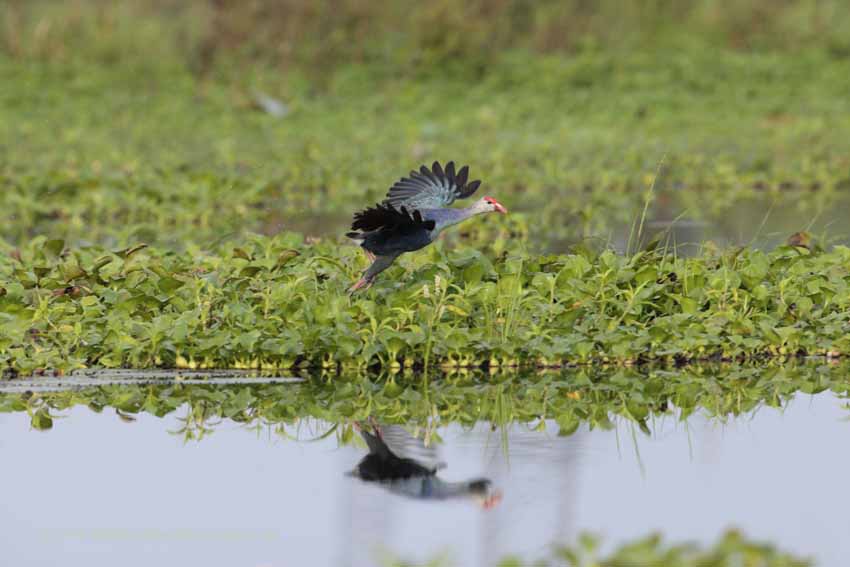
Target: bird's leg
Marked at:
372, 423
380, 264
362, 283
375, 427
369, 255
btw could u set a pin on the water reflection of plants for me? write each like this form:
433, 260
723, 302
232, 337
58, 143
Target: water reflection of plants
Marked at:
572, 398
731, 549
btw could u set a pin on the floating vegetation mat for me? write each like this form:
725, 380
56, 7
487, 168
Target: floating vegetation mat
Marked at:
280, 303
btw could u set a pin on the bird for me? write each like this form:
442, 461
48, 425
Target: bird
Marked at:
405, 465
413, 214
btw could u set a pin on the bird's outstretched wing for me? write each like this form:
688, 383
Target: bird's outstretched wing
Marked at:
406, 446
385, 216
432, 188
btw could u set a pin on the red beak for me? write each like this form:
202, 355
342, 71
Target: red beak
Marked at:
500, 207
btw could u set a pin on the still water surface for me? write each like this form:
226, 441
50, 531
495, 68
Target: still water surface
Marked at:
764, 222
98, 491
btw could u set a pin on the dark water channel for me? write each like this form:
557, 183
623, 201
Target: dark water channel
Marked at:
96, 490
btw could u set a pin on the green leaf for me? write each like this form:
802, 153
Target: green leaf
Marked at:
53, 248
285, 256
169, 284
567, 424
41, 420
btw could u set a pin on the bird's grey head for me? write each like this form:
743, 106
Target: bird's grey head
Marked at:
489, 205
481, 490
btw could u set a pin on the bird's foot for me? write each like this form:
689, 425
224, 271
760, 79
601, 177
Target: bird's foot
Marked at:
362, 283
492, 500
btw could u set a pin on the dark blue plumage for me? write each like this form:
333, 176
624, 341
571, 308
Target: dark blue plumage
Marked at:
385, 230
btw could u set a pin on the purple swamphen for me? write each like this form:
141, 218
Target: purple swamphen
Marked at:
416, 210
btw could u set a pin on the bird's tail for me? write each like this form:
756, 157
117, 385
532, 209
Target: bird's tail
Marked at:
356, 236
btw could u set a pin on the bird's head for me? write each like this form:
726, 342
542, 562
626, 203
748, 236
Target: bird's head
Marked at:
482, 493
490, 205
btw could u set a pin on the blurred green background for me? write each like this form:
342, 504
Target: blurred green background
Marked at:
169, 122
322, 35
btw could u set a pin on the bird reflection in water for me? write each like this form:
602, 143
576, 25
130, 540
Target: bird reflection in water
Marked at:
405, 465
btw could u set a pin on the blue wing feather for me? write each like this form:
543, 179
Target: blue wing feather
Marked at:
433, 188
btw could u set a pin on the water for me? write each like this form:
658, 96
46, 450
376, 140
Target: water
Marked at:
96, 490
765, 222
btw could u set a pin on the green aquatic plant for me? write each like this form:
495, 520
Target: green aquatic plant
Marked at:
280, 303
571, 143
